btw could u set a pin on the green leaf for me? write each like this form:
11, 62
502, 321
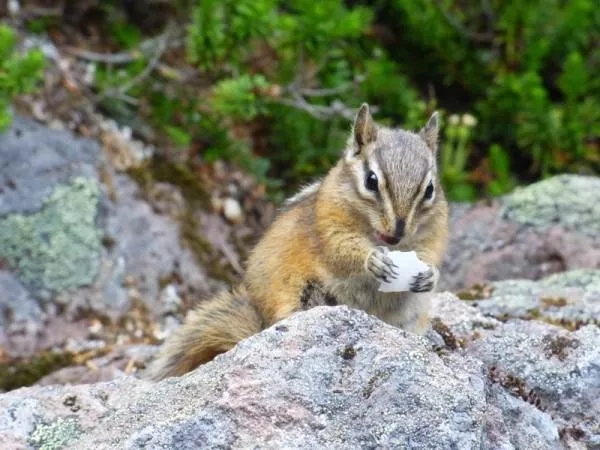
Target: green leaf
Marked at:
462, 192
178, 135
499, 161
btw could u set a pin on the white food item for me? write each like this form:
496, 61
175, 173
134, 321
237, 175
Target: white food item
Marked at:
409, 265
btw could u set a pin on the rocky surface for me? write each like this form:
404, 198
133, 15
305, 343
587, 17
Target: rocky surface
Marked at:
548, 227
551, 367
326, 378
78, 241
570, 299
333, 377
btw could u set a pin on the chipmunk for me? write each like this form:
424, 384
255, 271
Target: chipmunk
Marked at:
329, 245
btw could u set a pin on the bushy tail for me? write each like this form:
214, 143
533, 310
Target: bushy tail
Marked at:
214, 327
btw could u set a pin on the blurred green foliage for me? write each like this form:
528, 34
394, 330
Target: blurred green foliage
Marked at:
276, 83
522, 73
527, 70
280, 65
19, 72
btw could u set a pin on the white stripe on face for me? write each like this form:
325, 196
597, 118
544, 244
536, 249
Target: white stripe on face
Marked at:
386, 200
421, 193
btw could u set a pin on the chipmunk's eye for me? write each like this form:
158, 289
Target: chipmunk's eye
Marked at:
428, 192
371, 182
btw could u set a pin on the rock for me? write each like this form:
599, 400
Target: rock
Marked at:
35, 160
232, 210
572, 201
115, 364
570, 299
16, 304
547, 227
78, 241
512, 423
59, 247
556, 369
330, 377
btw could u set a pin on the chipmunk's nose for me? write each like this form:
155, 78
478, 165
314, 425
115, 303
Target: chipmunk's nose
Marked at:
400, 224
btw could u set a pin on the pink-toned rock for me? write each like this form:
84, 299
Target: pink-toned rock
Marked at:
548, 227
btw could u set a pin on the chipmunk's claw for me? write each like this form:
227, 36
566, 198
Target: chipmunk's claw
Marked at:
425, 281
381, 266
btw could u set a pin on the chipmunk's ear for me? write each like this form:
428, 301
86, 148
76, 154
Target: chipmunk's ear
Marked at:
364, 129
429, 133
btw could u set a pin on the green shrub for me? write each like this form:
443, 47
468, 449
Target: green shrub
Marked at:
19, 73
526, 69
284, 66
278, 82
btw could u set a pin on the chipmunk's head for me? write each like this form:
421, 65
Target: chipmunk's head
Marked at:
394, 175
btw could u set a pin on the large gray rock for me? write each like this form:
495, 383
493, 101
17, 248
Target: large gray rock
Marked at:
570, 299
34, 160
327, 378
544, 228
556, 369
78, 241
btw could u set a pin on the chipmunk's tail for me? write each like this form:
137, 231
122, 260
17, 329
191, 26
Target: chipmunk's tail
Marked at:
214, 327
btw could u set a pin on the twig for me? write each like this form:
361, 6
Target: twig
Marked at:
325, 92
324, 113
40, 11
458, 26
121, 92
162, 47
146, 47
107, 58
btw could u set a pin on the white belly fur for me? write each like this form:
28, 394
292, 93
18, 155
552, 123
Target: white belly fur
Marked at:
406, 310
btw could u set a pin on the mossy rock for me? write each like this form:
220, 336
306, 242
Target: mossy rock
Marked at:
569, 299
57, 248
56, 435
569, 200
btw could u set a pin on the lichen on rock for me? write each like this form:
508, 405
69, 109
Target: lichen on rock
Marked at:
56, 435
58, 247
547, 227
573, 201
570, 299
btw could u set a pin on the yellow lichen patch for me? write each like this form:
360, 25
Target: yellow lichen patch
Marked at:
476, 292
557, 302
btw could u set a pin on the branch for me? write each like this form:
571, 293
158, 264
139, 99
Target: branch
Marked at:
461, 29
162, 45
145, 48
331, 91
324, 113
152, 64
296, 97
107, 58
40, 11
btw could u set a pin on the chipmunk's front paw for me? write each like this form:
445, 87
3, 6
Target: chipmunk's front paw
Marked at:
425, 281
380, 265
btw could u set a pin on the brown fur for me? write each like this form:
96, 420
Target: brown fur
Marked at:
322, 241
214, 327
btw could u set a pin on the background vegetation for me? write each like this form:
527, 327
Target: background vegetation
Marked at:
272, 85
19, 72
